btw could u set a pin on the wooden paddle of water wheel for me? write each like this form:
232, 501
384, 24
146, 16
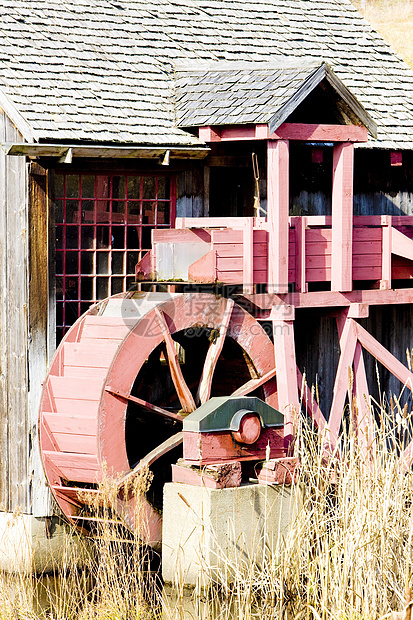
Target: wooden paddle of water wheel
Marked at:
140, 374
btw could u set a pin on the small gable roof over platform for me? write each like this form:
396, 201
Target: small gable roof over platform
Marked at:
103, 71
250, 93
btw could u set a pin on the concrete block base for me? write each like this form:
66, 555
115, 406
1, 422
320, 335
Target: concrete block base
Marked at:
35, 545
208, 534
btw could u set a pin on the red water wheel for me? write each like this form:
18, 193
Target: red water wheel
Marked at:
122, 380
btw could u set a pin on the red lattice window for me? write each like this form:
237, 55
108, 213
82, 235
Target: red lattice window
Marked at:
103, 227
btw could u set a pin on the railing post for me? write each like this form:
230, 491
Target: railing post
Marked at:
300, 224
277, 214
248, 255
342, 218
386, 243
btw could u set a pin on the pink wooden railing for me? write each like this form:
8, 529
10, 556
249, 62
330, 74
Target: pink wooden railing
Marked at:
382, 249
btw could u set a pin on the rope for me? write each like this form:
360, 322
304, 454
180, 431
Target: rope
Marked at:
256, 171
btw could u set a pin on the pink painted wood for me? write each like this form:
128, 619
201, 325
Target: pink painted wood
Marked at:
322, 133
206, 448
327, 299
348, 342
204, 269
384, 356
222, 476
387, 231
364, 422
184, 394
310, 251
363, 416
210, 222
300, 253
182, 235
277, 215
214, 351
286, 366
164, 413
279, 471
287, 131
209, 134
252, 385
248, 255
401, 245
342, 218
90, 417
144, 269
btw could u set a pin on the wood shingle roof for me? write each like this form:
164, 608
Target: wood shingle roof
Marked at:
253, 93
104, 71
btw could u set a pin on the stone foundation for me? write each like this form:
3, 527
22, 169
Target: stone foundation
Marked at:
208, 533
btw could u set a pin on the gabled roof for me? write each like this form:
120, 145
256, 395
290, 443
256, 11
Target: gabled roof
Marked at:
103, 71
250, 93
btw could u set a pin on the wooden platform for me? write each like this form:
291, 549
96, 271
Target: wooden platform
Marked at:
236, 251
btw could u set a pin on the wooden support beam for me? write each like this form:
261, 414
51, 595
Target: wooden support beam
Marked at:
358, 311
287, 131
327, 299
277, 215
286, 367
361, 409
401, 245
320, 133
348, 342
209, 134
406, 458
382, 355
342, 218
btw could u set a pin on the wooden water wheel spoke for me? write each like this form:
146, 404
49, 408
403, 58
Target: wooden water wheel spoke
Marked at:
166, 446
145, 404
214, 351
252, 385
184, 393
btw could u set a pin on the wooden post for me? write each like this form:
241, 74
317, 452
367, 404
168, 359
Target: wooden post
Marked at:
363, 419
348, 342
277, 215
386, 250
286, 367
342, 217
300, 282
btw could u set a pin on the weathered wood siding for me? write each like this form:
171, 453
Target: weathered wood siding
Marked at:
40, 323
192, 192
318, 352
14, 435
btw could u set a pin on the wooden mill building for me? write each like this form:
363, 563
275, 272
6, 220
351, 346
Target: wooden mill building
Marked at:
113, 121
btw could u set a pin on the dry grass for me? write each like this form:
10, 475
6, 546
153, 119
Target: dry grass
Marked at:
347, 556
393, 19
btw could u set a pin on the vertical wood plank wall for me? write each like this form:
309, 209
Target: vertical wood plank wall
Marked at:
191, 198
14, 435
